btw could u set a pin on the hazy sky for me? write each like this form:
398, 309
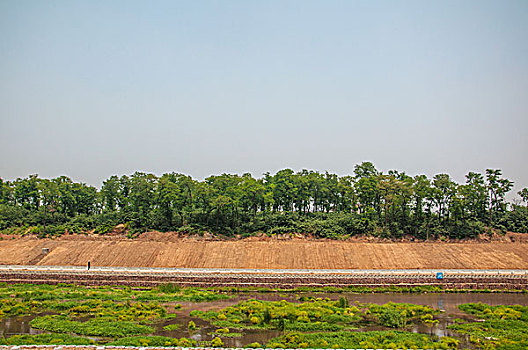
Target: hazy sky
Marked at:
89, 89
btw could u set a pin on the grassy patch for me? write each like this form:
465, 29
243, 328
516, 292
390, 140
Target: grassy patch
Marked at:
505, 327
55, 296
313, 314
367, 289
230, 335
154, 341
172, 327
45, 339
127, 311
93, 327
398, 315
361, 340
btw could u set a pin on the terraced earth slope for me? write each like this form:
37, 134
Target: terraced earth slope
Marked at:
292, 254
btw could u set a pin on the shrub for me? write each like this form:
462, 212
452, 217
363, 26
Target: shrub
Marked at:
392, 318
95, 327
172, 327
45, 339
153, 341
343, 302
217, 343
169, 288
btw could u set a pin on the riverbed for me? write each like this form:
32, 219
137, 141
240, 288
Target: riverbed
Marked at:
446, 302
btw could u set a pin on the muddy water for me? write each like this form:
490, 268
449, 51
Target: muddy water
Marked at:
17, 325
446, 302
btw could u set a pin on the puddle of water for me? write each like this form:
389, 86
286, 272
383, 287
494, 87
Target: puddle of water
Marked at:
17, 325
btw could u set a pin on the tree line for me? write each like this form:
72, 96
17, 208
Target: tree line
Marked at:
391, 204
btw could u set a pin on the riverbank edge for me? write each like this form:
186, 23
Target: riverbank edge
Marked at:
110, 347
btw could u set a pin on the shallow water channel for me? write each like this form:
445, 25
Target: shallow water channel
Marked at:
447, 302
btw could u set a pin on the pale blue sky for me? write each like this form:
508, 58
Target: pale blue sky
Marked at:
95, 88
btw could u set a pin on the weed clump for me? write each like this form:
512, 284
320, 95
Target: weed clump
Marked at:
504, 326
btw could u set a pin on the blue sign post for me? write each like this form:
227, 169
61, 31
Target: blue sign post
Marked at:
439, 275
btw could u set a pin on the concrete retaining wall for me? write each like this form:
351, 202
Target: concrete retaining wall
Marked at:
484, 281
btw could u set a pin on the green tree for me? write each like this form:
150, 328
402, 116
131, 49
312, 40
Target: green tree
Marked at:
366, 186
26, 192
6, 192
110, 193
524, 195
421, 190
497, 189
475, 196
442, 194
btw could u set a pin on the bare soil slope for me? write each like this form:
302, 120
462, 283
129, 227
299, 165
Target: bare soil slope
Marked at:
292, 254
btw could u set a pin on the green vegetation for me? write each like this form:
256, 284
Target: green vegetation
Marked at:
153, 341
392, 318
256, 314
315, 314
505, 327
388, 205
225, 333
172, 327
361, 340
217, 343
23, 299
45, 339
192, 326
127, 311
123, 316
95, 327
367, 289
109, 312
398, 315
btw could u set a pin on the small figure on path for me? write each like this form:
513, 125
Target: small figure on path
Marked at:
88, 264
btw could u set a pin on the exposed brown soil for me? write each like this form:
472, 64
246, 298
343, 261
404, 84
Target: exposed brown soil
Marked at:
162, 250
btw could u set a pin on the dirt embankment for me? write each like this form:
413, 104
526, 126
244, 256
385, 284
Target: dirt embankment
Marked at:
262, 253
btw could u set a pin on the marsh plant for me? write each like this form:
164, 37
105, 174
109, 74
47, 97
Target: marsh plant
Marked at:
501, 327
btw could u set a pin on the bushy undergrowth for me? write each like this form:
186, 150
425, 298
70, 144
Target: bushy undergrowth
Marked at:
505, 327
308, 316
314, 314
499, 312
45, 339
324, 205
397, 315
95, 327
172, 327
368, 289
154, 341
361, 340
125, 315
109, 312
27, 298
126, 311
13, 307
